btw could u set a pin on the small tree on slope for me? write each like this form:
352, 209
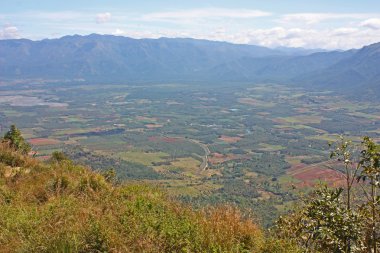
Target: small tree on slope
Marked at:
14, 138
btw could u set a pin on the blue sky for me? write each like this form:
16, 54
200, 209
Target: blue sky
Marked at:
311, 24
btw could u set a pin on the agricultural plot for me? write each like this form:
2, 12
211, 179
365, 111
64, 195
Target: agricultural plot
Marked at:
246, 144
145, 158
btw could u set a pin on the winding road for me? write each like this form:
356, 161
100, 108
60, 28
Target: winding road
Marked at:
204, 164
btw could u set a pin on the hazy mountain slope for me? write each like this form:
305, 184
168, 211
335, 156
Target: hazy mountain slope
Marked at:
360, 71
277, 68
299, 50
112, 57
106, 58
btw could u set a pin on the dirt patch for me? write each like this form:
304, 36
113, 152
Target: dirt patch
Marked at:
230, 139
173, 103
279, 121
249, 101
263, 113
43, 141
217, 158
144, 118
310, 175
302, 110
152, 126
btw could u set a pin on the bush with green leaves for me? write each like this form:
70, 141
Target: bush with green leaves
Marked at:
323, 224
344, 219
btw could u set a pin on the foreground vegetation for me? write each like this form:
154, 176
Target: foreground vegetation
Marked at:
343, 219
58, 206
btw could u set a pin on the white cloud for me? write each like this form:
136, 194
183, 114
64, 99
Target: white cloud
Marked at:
141, 34
314, 18
9, 32
279, 36
118, 32
373, 23
205, 13
103, 17
310, 30
345, 31
338, 38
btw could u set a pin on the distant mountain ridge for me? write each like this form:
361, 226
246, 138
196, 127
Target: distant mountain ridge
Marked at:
107, 58
358, 71
117, 58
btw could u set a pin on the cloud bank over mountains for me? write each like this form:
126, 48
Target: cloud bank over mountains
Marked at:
328, 30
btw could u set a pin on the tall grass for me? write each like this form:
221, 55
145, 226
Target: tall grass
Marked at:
62, 207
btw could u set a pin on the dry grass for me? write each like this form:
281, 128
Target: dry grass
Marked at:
224, 225
62, 207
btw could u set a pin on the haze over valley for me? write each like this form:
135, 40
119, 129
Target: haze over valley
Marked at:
114, 59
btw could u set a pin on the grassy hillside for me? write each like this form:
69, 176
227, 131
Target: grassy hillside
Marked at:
58, 206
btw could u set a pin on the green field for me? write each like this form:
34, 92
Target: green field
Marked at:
248, 137
142, 157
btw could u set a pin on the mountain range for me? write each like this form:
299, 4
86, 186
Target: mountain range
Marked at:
115, 59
